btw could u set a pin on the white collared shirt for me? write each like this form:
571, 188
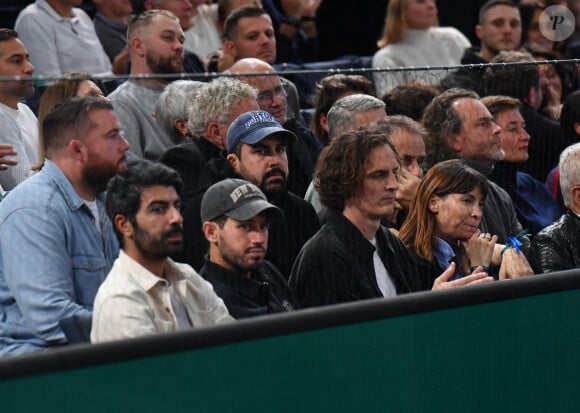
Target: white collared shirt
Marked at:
134, 302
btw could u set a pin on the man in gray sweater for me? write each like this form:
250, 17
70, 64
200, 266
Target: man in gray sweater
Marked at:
155, 47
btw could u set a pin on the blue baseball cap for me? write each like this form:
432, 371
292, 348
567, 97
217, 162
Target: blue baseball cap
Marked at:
253, 127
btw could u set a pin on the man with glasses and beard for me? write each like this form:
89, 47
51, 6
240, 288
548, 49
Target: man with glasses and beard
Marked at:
155, 47
57, 243
256, 144
146, 292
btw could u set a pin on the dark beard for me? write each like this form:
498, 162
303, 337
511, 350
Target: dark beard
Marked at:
163, 65
157, 249
274, 193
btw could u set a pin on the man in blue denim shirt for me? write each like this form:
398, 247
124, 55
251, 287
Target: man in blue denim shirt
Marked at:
57, 244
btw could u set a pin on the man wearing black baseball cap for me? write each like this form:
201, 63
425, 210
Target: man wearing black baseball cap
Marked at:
236, 216
256, 145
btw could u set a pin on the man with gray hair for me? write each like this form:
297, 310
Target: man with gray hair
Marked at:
172, 108
556, 247
211, 111
353, 111
347, 114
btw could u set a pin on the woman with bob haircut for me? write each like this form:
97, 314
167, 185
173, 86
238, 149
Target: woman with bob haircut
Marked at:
444, 216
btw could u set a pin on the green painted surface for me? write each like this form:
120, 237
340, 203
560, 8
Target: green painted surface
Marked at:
519, 355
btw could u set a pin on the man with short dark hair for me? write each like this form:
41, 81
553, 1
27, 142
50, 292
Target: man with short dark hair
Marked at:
155, 47
249, 32
499, 29
146, 292
261, 44
18, 124
236, 217
183, 10
61, 244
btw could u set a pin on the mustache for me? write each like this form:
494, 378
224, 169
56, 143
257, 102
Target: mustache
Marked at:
175, 229
274, 171
260, 248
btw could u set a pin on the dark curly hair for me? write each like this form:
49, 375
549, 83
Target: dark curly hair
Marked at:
341, 166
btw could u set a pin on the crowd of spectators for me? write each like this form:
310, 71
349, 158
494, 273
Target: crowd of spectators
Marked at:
164, 174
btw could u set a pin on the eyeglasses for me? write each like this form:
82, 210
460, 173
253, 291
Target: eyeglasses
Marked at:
268, 97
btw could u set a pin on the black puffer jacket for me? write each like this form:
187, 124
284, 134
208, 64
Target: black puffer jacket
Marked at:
556, 247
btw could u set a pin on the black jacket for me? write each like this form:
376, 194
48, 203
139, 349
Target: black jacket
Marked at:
499, 214
264, 292
189, 158
557, 247
336, 265
286, 236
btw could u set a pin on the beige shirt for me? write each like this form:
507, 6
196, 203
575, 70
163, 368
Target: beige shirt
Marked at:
133, 302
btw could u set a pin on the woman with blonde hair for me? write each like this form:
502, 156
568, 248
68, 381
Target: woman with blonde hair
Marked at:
412, 38
70, 85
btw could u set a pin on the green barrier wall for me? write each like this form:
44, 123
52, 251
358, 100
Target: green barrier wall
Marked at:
512, 346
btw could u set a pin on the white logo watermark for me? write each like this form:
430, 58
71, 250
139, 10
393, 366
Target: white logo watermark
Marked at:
557, 23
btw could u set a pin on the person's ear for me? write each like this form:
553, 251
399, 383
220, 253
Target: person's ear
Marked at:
182, 127
234, 162
478, 31
577, 128
214, 135
454, 142
138, 46
210, 230
323, 122
434, 203
576, 196
77, 150
230, 48
123, 225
